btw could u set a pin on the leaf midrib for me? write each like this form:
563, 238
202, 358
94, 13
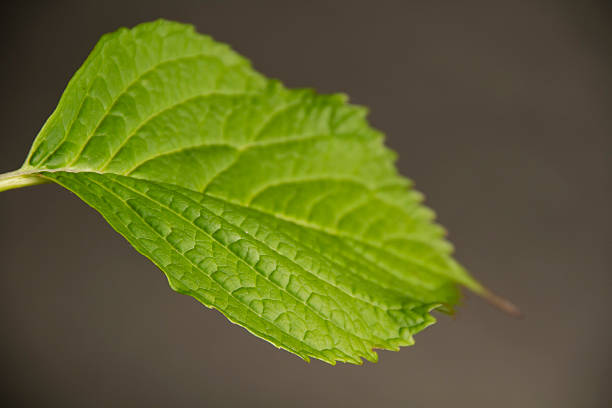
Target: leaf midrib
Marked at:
334, 233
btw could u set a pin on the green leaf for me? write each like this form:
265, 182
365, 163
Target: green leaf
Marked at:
280, 208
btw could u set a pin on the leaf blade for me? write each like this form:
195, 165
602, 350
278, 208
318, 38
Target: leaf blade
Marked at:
320, 246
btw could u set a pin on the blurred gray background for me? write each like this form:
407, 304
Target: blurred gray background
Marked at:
501, 113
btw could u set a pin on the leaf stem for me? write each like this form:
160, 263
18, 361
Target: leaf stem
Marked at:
20, 178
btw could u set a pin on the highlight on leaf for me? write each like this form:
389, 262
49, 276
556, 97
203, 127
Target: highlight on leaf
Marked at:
280, 208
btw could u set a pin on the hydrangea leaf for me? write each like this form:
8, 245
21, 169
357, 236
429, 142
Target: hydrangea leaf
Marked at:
280, 208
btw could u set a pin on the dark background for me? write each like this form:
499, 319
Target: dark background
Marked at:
499, 110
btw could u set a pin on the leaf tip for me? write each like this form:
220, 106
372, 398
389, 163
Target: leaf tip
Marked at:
502, 304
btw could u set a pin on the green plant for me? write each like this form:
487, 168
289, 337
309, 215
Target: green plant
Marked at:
280, 208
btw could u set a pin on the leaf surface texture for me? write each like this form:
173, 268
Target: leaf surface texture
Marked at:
280, 208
